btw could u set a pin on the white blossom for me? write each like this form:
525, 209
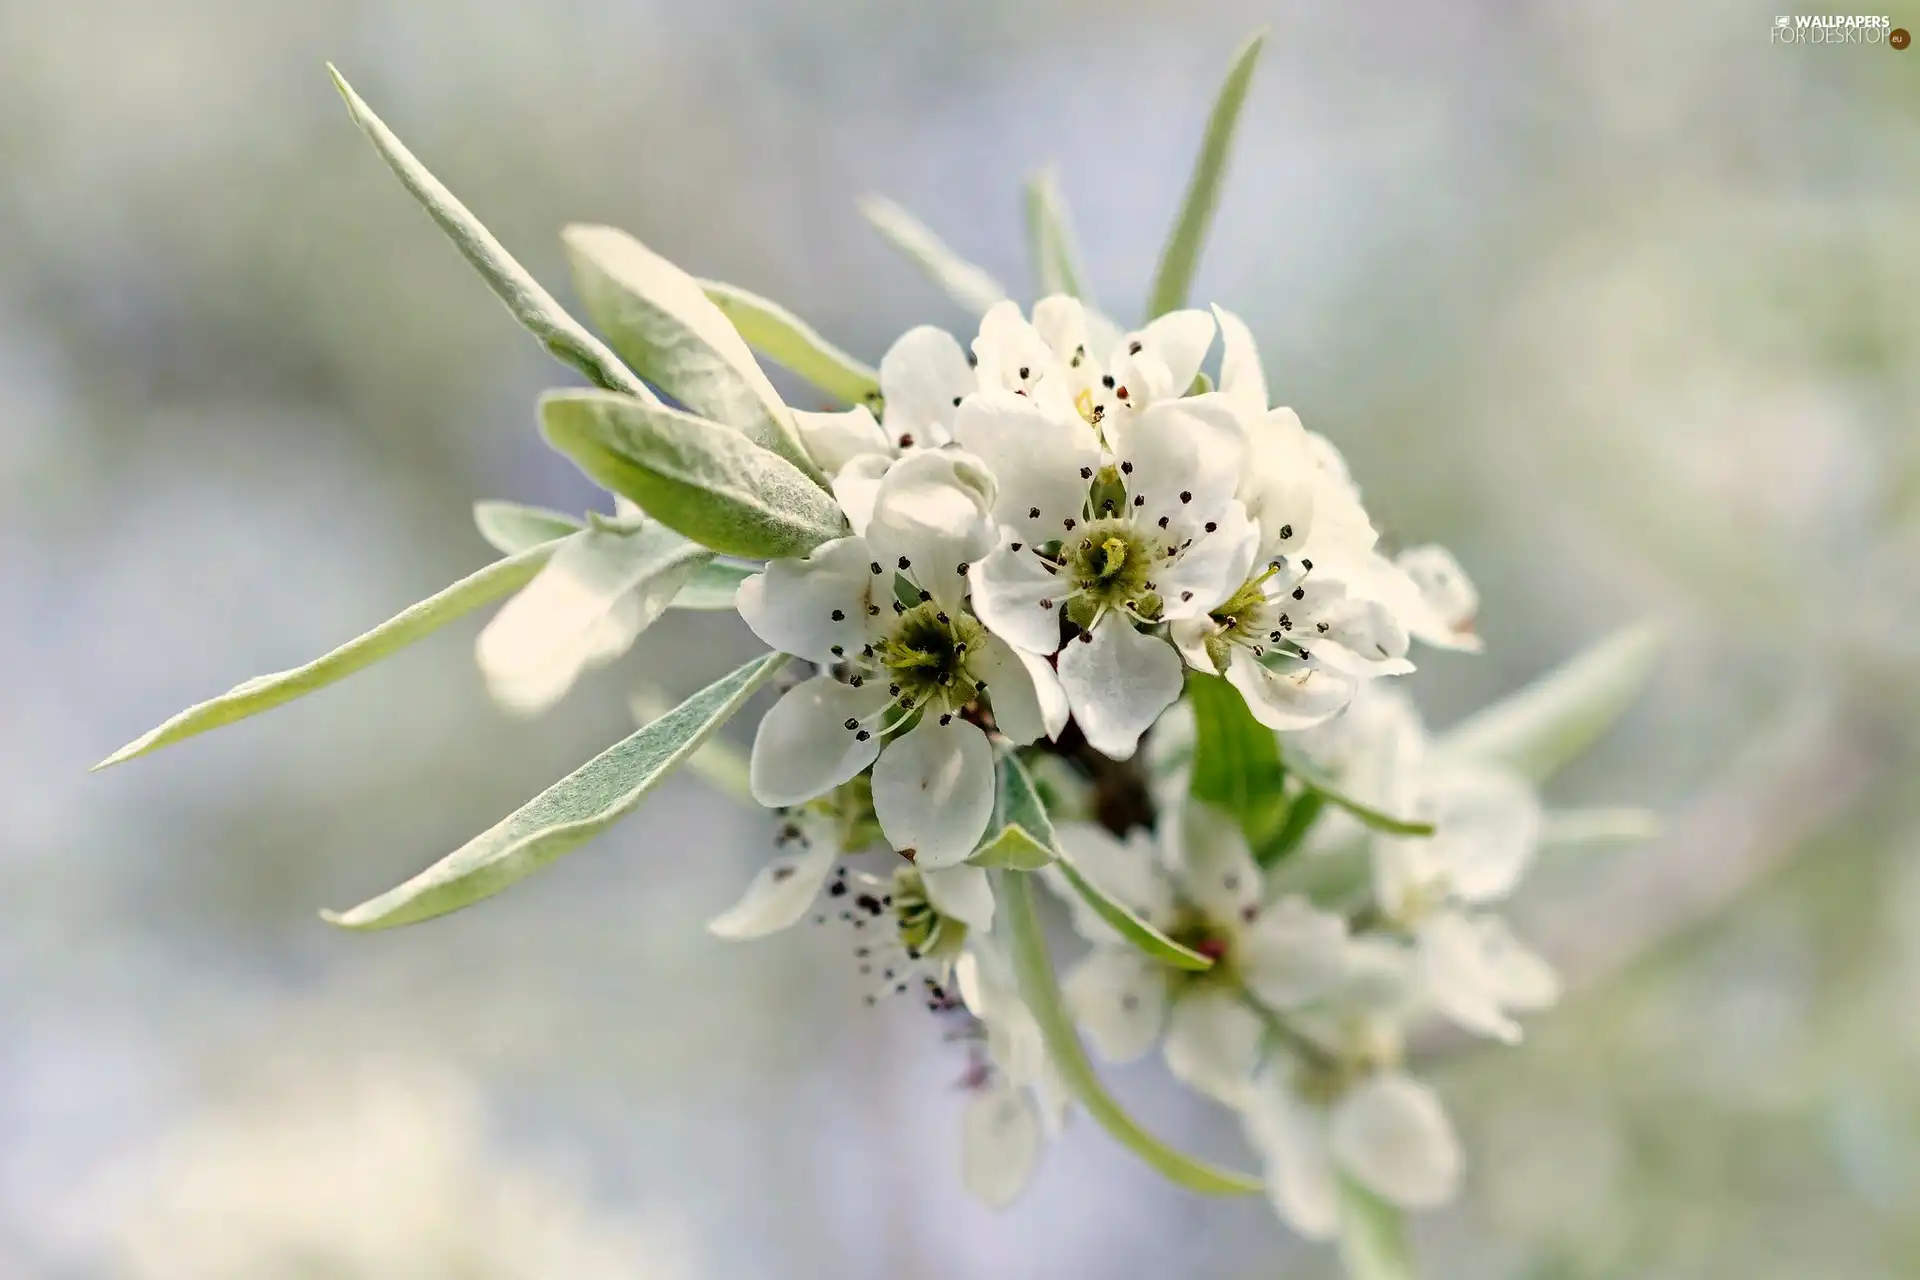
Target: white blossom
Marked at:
1202, 888
1019, 1100
891, 665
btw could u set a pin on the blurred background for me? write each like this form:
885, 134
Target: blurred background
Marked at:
1620, 301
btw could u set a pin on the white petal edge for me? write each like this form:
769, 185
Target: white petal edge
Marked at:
933, 791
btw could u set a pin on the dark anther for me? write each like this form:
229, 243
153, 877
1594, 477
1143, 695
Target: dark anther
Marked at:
1322, 627
1046, 604
1299, 593
837, 650
1186, 495
1086, 544
962, 568
857, 681
925, 596
893, 690
1033, 513
1139, 499
1186, 595
873, 611
1307, 565
862, 736
1126, 468
943, 617
839, 615
1286, 531
906, 441
1068, 522
947, 719
956, 402
1133, 348
1024, 371
852, 723
875, 566
1086, 473
1013, 546
898, 607
1164, 522
838, 888
905, 563
1107, 381
1211, 526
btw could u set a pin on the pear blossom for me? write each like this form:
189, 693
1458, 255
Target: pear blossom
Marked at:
1142, 532
1202, 888
1486, 829
1057, 358
903, 663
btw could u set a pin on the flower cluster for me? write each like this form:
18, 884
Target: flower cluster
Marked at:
984, 586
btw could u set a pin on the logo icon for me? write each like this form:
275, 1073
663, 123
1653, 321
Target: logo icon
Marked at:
1899, 38
1782, 22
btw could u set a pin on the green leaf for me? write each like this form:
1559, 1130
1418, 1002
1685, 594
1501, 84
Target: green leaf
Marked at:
1236, 759
1022, 837
1584, 828
1124, 922
567, 814
1373, 1239
712, 586
661, 322
973, 289
1038, 988
718, 763
1544, 726
795, 345
1178, 260
698, 478
1302, 813
605, 586
1367, 814
1050, 239
510, 527
263, 693
531, 305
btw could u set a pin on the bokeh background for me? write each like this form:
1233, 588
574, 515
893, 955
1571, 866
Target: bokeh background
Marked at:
1619, 300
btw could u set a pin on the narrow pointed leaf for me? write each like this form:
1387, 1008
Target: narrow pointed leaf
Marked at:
705, 481
1174, 279
531, 305
1302, 813
662, 323
713, 585
598, 593
1373, 1237
718, 762
263, 693
1041, 992
1236, 759
1584, 828
1546, 725
510, 527
1369, 816
566, 815
1020, 835
795, 345
1129, 926
1050, 239
973, 289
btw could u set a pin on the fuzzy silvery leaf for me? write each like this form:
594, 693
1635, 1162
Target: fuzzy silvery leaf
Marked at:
1050, 239
1181, 257
699, 478
1373, 1236
1040, 990
713, 585
1545, 726
1020, 834
662, 323
599, 592
970, 287
510, 527
795, 345
263, 693
530, 304
567, 814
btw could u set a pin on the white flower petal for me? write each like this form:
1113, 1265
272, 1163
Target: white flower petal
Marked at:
1523, 979
792, 605
1000, 1145
1360, 637
1061, 322
1127, 871
1211, 865
1392, 1135
1289, 694
1119, 998
1028, 702
963, 893
923, 377
930, 520
1459, 978
1213, 568
857, 485
1169, 353
1241, 379
1118, 681
1185, 456
1036, 456
1486, 828
835, 439
1018, 599
1293, 954
933, 791
1013, 357
803, 747
1291, 1136
783, 890
1213, 1043
1448, 593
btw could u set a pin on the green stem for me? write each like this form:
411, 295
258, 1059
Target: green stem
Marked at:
1042, 995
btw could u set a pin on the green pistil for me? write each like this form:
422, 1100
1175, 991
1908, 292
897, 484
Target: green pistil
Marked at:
926, 657
1108, 564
